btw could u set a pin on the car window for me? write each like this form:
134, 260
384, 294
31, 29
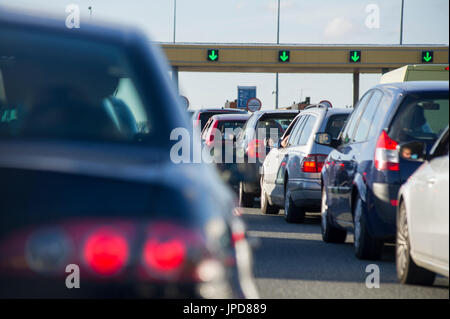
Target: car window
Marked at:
362, 132
230, 125
442, 149
206, 129
273, 125
89, 95
421, 117
379, 116
307, 130
298, 128
248, 129
349, 129
335, 124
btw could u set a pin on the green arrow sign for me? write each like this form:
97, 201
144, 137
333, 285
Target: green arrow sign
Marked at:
213, 55
355, 56
427, 56
284, 56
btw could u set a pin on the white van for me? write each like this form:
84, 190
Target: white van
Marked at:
417, 72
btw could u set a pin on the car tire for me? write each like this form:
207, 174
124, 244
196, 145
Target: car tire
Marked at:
292, 213
366, 247
330, 234
266, 208
245, 199
407, 270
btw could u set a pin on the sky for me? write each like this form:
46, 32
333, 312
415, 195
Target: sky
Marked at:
255, 21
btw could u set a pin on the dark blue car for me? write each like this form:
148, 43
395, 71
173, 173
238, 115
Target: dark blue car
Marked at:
88, 187
363, 174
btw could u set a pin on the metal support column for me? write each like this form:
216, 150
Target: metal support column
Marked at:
175, 78
355, 88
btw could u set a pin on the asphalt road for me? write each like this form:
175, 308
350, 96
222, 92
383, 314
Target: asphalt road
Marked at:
292, 261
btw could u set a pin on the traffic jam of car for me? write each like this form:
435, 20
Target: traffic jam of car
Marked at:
89, 186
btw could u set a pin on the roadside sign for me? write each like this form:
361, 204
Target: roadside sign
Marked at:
284, 56
245, 93
327, 103
212, 55
427, 56
254, 104
355, 56
185, 101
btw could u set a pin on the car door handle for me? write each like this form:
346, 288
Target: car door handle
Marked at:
431, 181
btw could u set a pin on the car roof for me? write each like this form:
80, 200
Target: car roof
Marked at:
221, 109
277, 112
231, 117
415, 86
330, 111
103, 31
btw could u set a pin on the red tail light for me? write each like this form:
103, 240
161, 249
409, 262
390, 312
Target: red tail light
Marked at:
165, 252
197, 122
256, 149
386, 155
212, 132
313, 163
165, 256
106, 252
237, 237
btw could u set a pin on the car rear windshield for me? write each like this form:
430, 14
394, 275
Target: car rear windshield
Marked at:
230, 125
272, 122
54, 87
421, 117
205, 116
335, 124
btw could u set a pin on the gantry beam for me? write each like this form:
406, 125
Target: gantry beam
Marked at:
192, 57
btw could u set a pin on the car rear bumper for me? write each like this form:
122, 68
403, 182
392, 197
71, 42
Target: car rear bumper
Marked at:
252, 176
306, 193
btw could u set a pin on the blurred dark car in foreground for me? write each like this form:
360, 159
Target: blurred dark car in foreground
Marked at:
202, 116
363, 174
218, 137
86, 178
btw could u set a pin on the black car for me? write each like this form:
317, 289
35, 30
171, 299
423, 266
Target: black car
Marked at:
218, 136
87, 185
363, 175
262, 129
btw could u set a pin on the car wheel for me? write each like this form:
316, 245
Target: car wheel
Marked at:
330, 234
292, 213
407, 270
245, 199
366, 247
266, 208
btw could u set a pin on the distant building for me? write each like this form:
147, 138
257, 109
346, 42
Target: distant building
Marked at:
231, 104
299, 106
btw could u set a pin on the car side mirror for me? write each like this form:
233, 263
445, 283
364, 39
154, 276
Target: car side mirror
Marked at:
413, 151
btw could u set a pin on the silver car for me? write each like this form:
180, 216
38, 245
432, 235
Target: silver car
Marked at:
422, 216
291, 171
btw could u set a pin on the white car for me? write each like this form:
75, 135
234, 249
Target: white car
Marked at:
422, 218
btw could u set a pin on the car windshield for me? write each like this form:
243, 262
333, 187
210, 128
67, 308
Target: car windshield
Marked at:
58, 88
421, 117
